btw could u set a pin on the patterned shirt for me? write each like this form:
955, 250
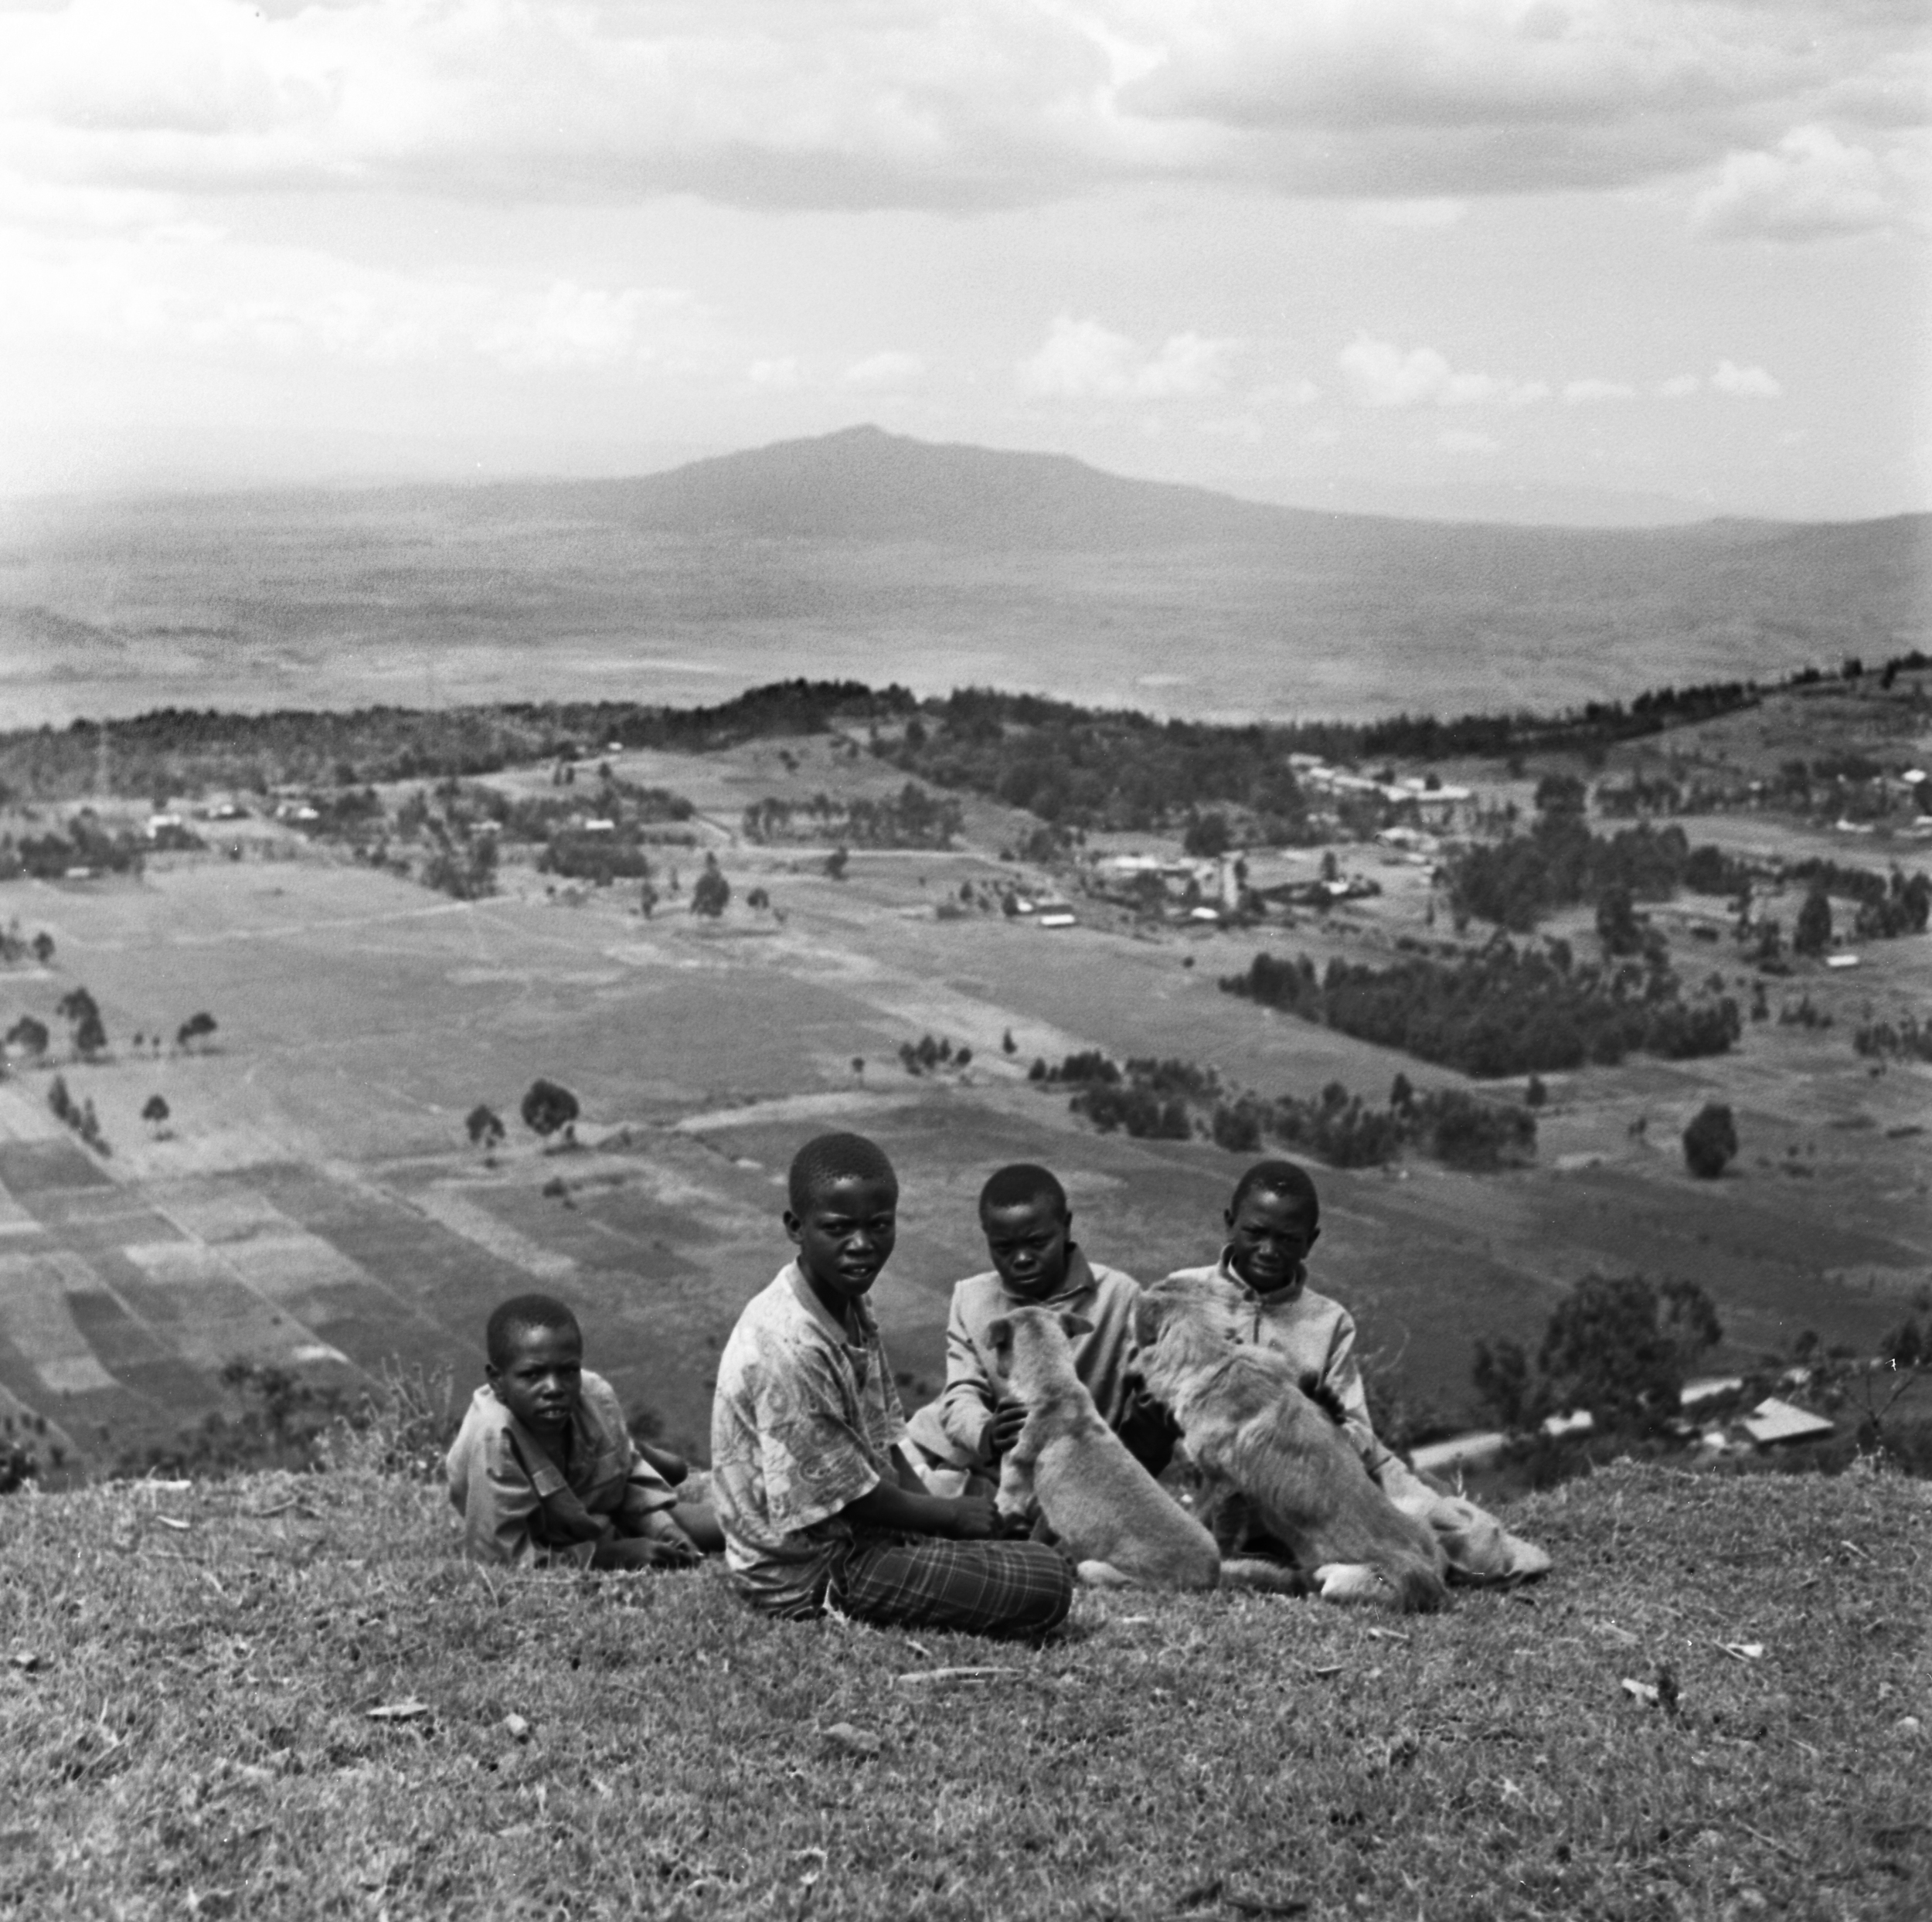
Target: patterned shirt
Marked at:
1102, 1358
1316, 1333
803, 1423
502, 1480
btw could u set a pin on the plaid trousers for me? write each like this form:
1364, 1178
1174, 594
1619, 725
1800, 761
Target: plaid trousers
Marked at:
920, 1581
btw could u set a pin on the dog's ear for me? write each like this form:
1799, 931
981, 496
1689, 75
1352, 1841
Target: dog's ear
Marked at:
1076, 1326
999, 1331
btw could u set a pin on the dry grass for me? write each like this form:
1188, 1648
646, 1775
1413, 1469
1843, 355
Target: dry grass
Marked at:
186, 1728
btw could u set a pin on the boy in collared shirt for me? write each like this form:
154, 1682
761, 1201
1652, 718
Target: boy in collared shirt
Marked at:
820, 1508
1273, 1220
544, 1470
1029, 1235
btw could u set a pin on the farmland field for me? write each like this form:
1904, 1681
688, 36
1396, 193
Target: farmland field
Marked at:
314, 1202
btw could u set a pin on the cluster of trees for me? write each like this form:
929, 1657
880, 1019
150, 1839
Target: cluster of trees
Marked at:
1710, 1141
931, 1052
1077, 769
1615, 1346
1503, 1011
1515, 882
911, 818
84, 843
1179, 1100
1889, 905
177, 750
79, 1116
1908, 1039
15, 947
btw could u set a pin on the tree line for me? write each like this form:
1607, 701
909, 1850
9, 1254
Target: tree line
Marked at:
1504, 1011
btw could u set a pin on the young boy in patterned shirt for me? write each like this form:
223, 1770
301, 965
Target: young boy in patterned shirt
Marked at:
820, 1509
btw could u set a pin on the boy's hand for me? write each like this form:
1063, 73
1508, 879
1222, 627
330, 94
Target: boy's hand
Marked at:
1003, 1428
975, 1518
636, 1552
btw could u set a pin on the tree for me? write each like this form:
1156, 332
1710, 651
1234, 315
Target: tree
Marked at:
835, 863
484, 1126
1560, 794
155, 1112
1007, 1045
712, 892
1503, 1384
1710, 1141
1619, 926
196, 1028
29, 1034
43, 948
1813, 934
547, 1107
1536, 1094
1207, 837
78, 1006
1605, 1350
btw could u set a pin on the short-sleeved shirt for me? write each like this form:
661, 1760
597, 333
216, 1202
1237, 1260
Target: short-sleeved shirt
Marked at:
1316, 1333
803, 1423
500, 1475
1103, 1357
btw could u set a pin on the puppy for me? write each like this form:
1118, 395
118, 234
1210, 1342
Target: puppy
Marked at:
1250, 1430
1104, 1507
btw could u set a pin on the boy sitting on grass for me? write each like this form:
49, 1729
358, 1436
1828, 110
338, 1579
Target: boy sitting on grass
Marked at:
820, 1509
1037, 1263
544, 1469
1273, 1220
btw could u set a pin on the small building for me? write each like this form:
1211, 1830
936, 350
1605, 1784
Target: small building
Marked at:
1058, 917
1773, 1421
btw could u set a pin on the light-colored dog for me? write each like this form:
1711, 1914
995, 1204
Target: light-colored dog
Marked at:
1104, 1507
1250, 1429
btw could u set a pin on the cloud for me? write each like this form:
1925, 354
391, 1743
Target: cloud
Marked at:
175, 288
777, 375
1745, 383
1678, 387
1412, 104
884, 373
1814, 185
1463, 440
1580, 392
1380, 374
1082, 360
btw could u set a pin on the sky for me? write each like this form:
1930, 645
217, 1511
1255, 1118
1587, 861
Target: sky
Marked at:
1595, 258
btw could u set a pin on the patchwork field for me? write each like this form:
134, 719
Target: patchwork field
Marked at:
314, 1201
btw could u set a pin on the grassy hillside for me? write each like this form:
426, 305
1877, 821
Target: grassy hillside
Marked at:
189, 1724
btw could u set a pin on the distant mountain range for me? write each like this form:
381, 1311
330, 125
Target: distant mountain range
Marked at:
888, 558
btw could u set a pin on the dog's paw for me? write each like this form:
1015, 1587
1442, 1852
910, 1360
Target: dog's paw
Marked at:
1350, 1582
1102, 1575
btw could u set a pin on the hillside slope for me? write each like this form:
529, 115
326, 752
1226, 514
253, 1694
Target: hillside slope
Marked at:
282, 1697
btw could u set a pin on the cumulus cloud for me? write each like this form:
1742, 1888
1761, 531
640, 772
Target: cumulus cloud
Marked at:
1082, 360
1745, 383
1410, 103
884, 373
1678, 387
1381, 374
1814, 185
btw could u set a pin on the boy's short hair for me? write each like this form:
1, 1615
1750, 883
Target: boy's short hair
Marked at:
1284, 1179
520, 1315
1019, 1183
830, 1158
